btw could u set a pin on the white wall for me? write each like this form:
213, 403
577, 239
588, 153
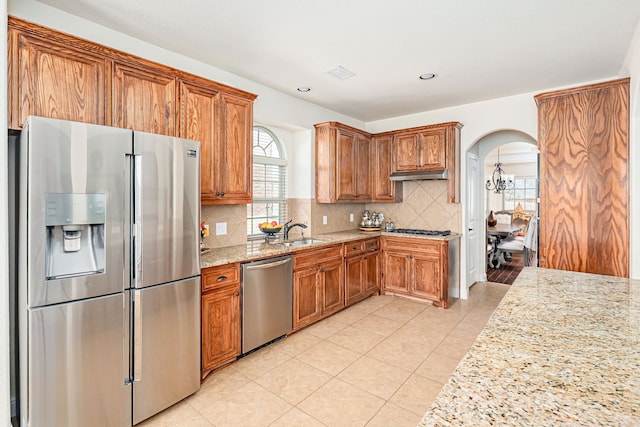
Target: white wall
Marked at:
631, 67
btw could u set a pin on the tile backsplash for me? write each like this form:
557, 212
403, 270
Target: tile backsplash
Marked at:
424, 206
235, 216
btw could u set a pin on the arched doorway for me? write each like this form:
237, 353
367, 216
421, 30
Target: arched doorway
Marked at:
476, 200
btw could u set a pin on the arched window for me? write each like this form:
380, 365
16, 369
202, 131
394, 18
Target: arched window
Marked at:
269, 181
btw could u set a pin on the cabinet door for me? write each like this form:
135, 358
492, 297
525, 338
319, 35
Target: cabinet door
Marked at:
396, 272
425, 280
346, 166
371, 273
406, 152
220, 326
235, 150
55, 80
306, 297
382, 189
362, 174
331, 281
353, 274
432, 150
197, 121
144, 99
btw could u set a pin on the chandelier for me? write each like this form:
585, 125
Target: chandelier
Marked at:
499, 180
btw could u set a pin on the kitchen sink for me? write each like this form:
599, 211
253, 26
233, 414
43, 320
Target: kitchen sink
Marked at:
301, 242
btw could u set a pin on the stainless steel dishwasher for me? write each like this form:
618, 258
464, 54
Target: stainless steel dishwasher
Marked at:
267, 301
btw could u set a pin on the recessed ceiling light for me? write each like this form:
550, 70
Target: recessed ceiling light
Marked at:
304, 89
427, 76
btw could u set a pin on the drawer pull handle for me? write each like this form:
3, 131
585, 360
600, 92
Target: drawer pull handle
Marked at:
221, 278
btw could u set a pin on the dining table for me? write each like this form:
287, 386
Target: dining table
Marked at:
503, 230
499, 232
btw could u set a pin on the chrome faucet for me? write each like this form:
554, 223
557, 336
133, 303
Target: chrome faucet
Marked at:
288, 228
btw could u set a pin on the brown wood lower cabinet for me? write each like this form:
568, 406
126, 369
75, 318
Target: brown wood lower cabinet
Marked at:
416, 267
318, 284
362, 269
221, 327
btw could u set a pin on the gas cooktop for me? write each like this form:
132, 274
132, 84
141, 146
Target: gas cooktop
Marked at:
421, 232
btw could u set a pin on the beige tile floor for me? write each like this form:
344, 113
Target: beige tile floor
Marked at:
380, 362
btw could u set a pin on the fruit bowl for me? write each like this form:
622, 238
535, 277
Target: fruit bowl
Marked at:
270, 230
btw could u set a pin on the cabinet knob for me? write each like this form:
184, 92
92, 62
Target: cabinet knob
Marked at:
222, 194
221, 278
321, 270
237, 294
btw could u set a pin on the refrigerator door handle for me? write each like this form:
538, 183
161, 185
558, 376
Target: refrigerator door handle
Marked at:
127, 233
137, 336
126, 338
137, 219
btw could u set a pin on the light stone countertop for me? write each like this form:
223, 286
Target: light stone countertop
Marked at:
562, 348
258, 249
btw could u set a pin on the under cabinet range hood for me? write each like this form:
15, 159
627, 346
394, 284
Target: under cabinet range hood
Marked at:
420, 175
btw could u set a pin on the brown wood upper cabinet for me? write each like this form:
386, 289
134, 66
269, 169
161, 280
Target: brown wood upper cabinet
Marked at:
583, 136
55, 79
52, 74
419, 150
432, 147
342, 163
234, 150
345, 155
198, 112
382, 188
144, 99
222, 123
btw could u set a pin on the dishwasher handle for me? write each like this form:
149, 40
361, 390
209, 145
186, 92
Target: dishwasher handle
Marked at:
266, 265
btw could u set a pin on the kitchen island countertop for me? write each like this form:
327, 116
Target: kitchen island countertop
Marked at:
257, 249
562, 348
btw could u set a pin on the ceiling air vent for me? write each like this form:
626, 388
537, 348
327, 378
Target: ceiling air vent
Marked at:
341, 73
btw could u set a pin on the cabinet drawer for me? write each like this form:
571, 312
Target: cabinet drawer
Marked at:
423, 246
372, 245
216, 277
316, 255
353, 248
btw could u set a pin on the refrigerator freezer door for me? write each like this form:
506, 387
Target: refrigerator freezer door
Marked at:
78, 370
73, 196
167, 209
166, 349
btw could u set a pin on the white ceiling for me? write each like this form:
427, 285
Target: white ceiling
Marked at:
512, 152
478, 49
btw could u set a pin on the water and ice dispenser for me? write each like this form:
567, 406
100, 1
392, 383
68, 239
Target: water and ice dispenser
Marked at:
75, 235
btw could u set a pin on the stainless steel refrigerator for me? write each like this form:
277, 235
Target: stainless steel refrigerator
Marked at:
108, 273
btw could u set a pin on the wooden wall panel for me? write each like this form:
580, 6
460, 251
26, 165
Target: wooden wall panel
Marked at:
584, 199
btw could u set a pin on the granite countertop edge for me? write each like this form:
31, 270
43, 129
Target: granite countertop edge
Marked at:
258, 249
